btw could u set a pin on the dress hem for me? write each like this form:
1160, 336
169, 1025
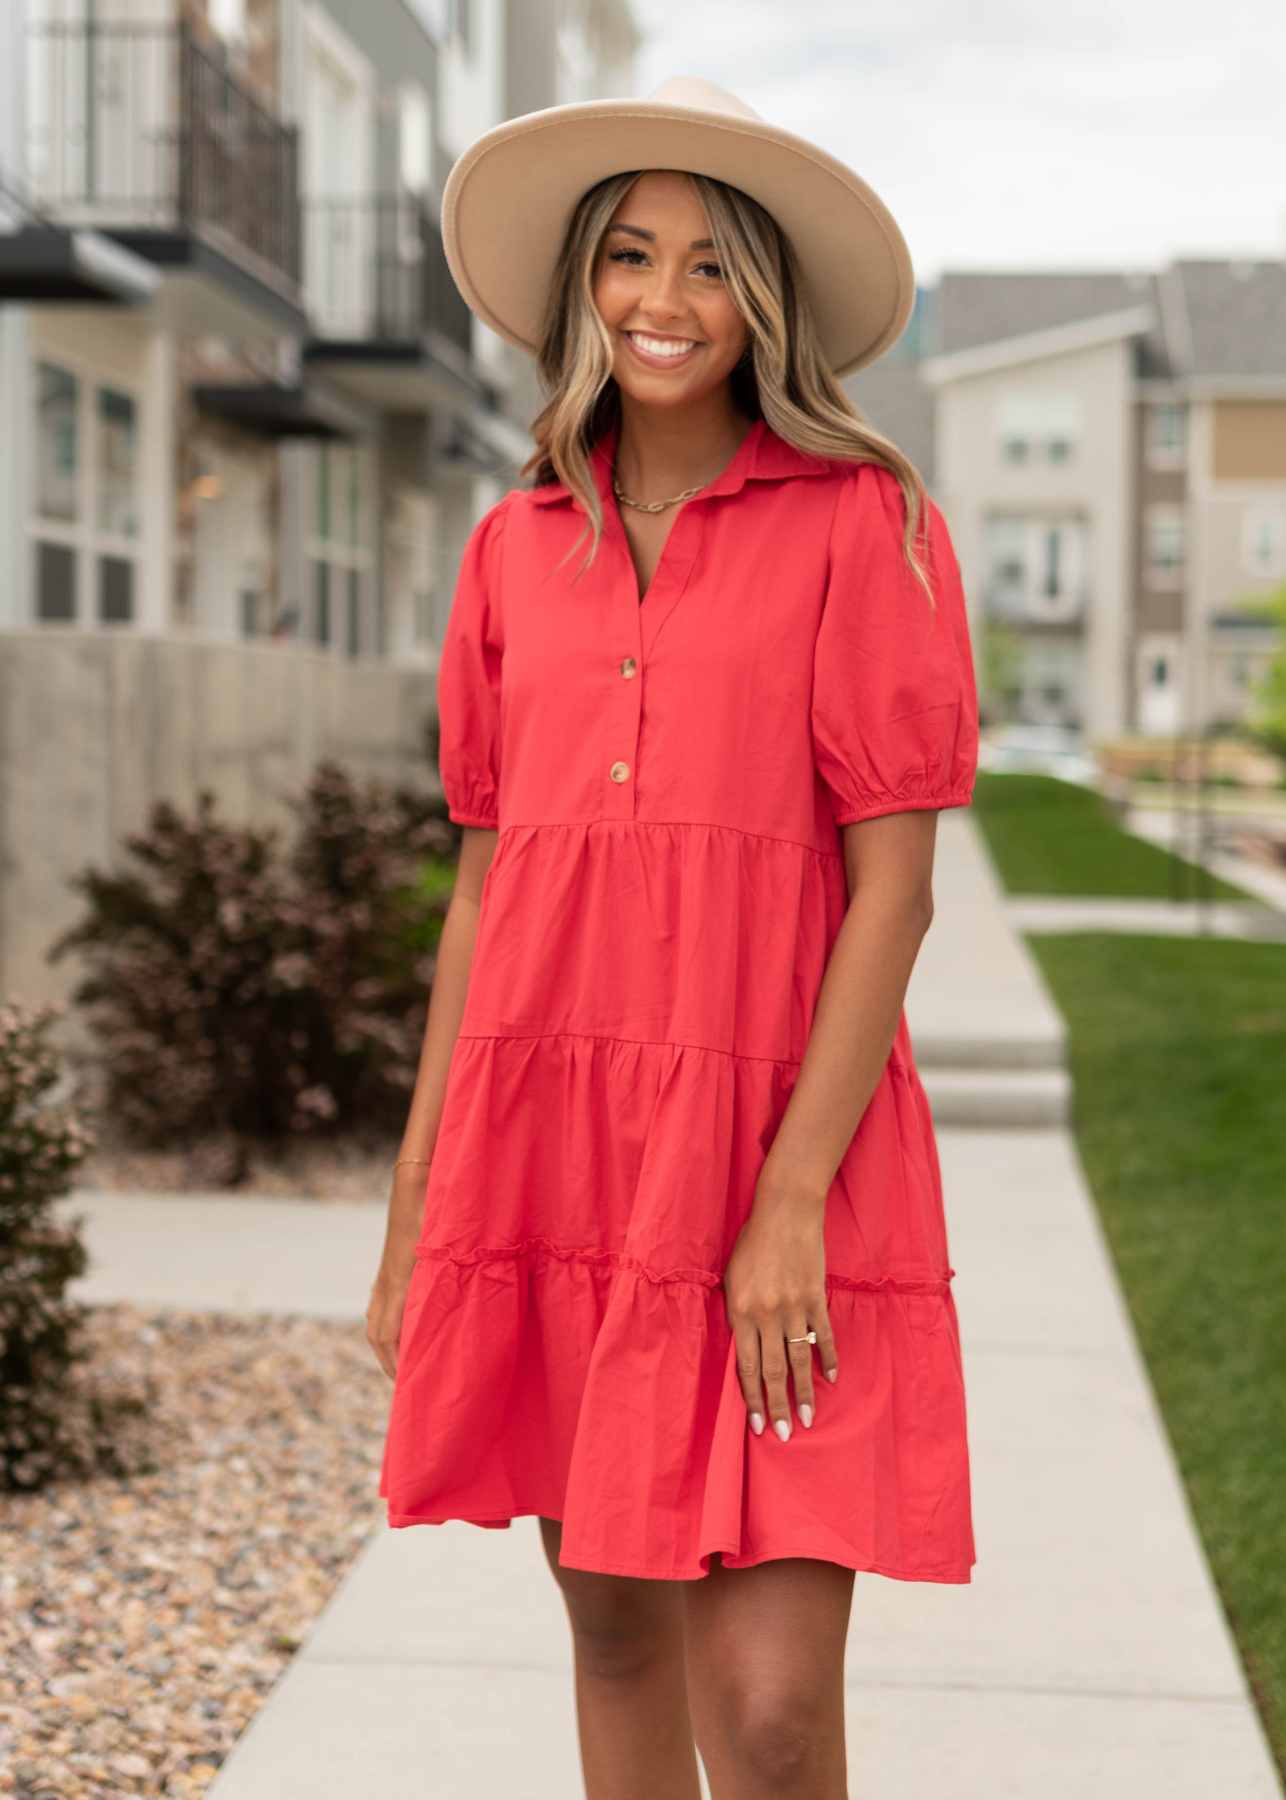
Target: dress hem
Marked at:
954, 1577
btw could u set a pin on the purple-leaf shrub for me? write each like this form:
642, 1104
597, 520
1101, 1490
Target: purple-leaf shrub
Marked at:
43, 1421
243, 988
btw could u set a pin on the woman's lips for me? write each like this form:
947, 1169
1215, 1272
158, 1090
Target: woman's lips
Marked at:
656, 358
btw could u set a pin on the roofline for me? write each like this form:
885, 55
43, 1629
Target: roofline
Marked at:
1035, 346
1211, 387
1233, 387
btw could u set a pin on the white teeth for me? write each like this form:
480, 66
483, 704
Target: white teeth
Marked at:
661, 346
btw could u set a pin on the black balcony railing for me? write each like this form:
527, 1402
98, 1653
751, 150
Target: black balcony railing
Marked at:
375, 272
142, 128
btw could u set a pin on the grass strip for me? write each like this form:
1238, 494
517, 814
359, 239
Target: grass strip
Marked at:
1178, 1050
1052, 837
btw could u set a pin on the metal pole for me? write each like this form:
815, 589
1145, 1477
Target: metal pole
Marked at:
1204, 879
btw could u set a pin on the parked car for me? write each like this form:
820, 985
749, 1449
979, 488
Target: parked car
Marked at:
1038, 750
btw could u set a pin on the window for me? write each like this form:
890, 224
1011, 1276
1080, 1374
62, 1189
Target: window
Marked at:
1038, 429
414, 138
117, 463
1167, 435
1034, 568
338, 548
321, 608
1263, 541
57, 443
1164, 546
85, 502
115, 590
354, 621
55, 583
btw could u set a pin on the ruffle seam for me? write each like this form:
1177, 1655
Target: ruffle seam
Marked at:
620, 1261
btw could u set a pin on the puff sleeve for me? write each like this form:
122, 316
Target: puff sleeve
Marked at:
894, 712
469, 682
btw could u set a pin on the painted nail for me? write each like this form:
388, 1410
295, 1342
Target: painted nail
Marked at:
757, 1423
832, 1374
805, 1416
782, 1429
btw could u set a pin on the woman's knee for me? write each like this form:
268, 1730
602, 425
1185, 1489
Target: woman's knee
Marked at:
620, 1626
776, 1731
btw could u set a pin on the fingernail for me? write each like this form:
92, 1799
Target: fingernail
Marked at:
757, 1423
782, 1429
805, 1416
832, 1374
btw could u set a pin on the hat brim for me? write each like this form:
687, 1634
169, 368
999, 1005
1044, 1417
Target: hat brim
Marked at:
511, 196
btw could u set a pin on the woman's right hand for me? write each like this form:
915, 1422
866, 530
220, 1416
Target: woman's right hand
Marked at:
397, 1265
384, 1315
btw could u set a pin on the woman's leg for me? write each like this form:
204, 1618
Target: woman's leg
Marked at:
631, 1693
765, 1653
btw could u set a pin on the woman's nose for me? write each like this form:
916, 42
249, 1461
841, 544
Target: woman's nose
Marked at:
663, 299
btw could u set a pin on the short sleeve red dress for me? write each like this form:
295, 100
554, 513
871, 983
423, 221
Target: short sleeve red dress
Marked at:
669, 780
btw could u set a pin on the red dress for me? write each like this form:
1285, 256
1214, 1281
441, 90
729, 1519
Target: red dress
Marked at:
669, 779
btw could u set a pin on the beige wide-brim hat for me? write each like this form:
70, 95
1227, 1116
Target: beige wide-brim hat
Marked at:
510, 198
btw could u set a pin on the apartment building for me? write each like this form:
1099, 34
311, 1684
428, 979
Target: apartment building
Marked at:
1110, 453
246, 421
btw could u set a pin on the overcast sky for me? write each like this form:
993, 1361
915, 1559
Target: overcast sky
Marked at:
1019, 133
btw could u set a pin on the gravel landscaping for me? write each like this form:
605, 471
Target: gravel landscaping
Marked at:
144, 1620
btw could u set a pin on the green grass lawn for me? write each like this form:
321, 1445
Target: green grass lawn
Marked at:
1050, 837
1179, 1057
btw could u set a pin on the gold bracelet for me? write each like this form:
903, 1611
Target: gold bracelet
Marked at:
411, 1159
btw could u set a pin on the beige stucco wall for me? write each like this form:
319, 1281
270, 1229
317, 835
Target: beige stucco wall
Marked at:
95, 727
1220, 577
974, 480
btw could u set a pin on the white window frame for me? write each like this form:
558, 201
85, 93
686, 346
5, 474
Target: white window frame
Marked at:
338, 554
1034, 429
1029, 533
1164, 574
1159, 453
1264, 522
83, 535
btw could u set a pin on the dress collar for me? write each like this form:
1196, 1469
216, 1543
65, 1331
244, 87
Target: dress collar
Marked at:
761, 456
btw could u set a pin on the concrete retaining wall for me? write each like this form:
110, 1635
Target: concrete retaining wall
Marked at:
95, 728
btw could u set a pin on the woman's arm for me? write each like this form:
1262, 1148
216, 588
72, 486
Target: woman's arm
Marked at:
775, 1282
446, 1009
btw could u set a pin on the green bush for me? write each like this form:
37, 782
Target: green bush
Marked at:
44, 1428
243, 990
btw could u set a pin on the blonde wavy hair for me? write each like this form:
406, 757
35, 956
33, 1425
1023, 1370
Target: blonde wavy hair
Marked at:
784, 379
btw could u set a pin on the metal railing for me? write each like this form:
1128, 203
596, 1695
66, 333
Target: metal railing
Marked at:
375, 271
143, 127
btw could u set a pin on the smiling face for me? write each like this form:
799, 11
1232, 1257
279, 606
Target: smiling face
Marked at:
676, 332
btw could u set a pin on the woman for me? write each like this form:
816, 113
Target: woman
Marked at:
679, 1285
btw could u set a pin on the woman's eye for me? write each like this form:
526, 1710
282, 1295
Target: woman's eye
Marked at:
631, 257
710, 269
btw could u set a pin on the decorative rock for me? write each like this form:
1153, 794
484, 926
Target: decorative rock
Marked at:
144, 1621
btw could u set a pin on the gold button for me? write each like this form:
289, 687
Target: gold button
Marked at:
629, 667
619, 771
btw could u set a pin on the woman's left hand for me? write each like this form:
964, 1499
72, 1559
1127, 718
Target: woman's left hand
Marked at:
775, 1288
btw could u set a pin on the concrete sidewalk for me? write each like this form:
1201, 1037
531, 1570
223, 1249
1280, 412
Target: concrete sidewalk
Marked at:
1168, 833
1088, 1661
990, 1044
1042, 914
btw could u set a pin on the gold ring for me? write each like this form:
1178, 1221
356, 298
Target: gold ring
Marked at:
809, 1337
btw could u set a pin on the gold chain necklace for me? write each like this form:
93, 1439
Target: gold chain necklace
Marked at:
655, 506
